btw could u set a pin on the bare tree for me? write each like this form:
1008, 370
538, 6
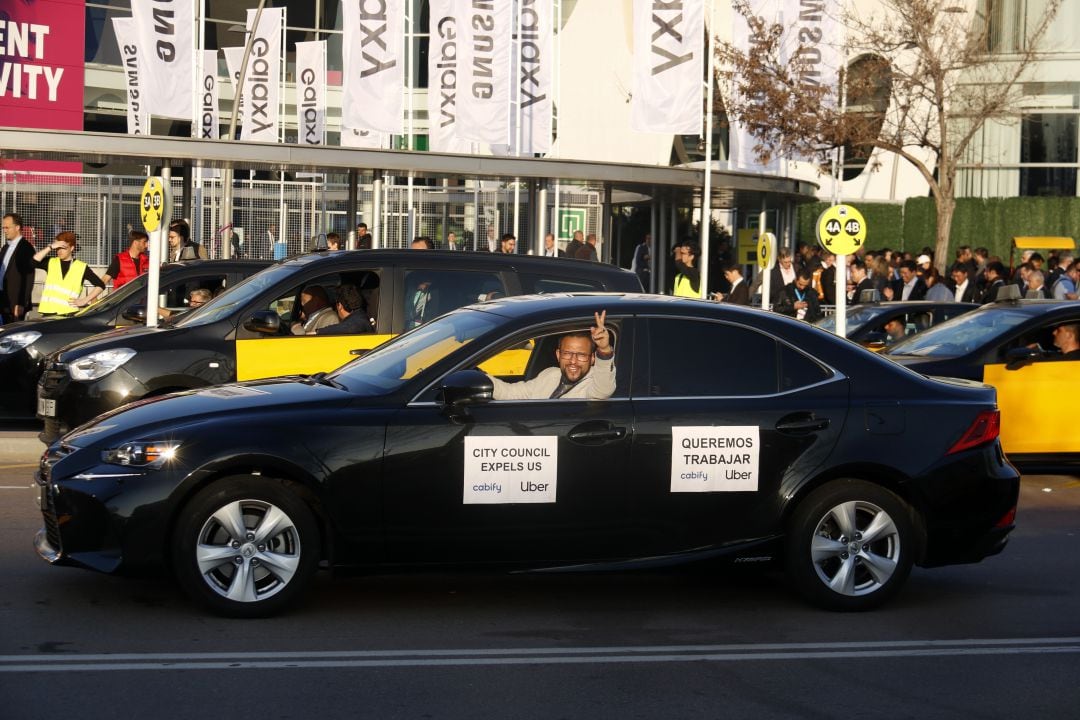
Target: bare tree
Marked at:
929, 82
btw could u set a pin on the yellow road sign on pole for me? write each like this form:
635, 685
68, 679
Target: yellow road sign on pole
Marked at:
766, 251
152, 204
841, 229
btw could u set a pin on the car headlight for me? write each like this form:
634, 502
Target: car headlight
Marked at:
99, 364
17, 341
146, 453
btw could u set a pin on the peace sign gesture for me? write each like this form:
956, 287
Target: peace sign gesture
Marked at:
600, 333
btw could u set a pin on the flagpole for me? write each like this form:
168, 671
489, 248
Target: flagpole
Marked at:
227, 175
706, 194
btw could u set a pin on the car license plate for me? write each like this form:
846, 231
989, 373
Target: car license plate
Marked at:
46, 407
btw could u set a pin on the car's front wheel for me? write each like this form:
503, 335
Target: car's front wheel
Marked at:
246, 546
850, 545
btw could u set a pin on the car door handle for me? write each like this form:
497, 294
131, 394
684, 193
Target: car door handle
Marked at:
801, 423
596, 433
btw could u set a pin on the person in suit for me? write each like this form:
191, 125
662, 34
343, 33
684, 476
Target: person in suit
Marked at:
860, 281
16, 271
739, 294
550, 248
452, 241
783, 274
180, 245
909, 286
995, 280
965, 290
575, 244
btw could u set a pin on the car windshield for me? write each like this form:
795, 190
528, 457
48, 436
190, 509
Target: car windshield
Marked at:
390, 366
857, 317
235, 297
960, 335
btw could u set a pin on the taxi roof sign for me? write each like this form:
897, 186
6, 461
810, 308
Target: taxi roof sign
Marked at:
1036, 242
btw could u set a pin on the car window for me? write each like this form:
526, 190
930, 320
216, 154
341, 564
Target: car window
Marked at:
798, 370
525, 359
694, 358
531, 283
236, 297
857, 317
389, 366
961, 335
430, 293
174, 296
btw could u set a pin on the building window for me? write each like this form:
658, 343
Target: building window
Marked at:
1048, 138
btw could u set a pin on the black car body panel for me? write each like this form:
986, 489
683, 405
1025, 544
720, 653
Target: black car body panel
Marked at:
384, 468
22, 368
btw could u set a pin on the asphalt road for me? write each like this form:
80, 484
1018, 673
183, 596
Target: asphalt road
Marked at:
996, 640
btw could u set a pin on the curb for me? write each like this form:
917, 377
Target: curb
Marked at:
20, 447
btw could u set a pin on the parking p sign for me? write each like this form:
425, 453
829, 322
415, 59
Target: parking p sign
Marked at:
841, 229
152, 204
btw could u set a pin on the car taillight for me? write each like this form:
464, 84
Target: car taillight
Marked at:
984, 430
1008, 519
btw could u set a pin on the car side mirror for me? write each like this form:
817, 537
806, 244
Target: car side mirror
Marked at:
466, 387
264, 321
136, 314
1020, 357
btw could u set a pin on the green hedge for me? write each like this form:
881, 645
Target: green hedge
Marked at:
987, 222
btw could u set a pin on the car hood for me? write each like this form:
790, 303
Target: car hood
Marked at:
117, 337
166, 415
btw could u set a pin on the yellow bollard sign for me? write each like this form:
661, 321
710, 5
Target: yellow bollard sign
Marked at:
766, 251
841, 229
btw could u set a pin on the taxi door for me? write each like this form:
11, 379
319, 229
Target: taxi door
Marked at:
1038, 408
259, 355
530, 481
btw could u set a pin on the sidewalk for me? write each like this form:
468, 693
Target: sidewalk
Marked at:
20, 446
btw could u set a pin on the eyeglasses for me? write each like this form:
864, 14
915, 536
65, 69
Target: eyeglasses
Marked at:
571, 355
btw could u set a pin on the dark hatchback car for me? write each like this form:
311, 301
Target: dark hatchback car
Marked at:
730, 433
25, 345
866, 322
1010, 345
245, 333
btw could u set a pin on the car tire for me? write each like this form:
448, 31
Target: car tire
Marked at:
246, 546
850, 545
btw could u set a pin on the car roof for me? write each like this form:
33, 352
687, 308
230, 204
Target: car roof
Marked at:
219, 264
458, 257
1032, 308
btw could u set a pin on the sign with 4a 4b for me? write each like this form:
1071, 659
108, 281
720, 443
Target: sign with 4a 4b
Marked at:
841, 229
152, 204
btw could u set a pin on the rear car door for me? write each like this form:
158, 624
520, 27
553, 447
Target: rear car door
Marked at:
728, 419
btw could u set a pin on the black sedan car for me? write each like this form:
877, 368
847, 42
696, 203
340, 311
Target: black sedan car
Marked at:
25, 345
714, 432
1010, 345
866, 322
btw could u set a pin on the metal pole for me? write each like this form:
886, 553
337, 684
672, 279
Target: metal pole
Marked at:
541, 217
376, 229
706, 194
350, 208
654, 231
766, 281
227, 174
605, 226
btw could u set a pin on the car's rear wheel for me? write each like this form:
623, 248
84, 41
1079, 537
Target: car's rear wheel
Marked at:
850, 545
246, 546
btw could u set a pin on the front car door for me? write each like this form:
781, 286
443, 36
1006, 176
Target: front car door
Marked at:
528, 481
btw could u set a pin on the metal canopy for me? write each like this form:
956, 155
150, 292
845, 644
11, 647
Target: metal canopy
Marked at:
682, 185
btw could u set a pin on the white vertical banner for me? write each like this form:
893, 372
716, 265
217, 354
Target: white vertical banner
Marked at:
373, 61
741, 142
815, 36
234, 57
444, 72
208, 96
668, 67
131, 63
484, 81
262, 80
165, 34
311, 92
535, 64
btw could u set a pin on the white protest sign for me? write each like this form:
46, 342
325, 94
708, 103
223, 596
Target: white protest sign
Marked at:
505, 470
714, 459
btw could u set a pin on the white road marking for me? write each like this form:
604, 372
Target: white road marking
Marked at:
125, 662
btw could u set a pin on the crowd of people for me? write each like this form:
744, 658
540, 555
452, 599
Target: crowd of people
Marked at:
802, 282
